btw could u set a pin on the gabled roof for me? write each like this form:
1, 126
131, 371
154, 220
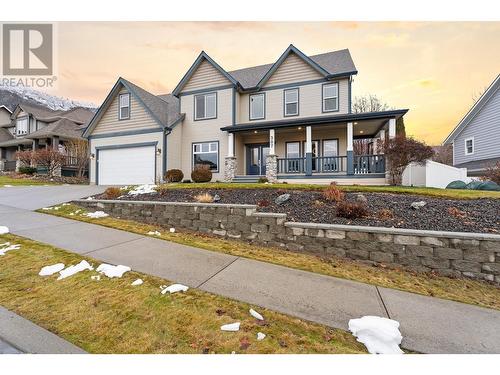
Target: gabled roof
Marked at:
5, 135
476, 108
63, 128
163, 108
201, 57
38, 111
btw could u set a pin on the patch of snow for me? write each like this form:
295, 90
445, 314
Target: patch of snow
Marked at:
57, 208
47, 208
7, 186
155, 233
260, 336
112, 271
96, 215
137, 282
379, 335
8, 247
174, 288
95, 277
143, 189
71, 214
256, 315
50, 270
233, 327
71, 270
65, 204
3, 229
89, 198
172, 230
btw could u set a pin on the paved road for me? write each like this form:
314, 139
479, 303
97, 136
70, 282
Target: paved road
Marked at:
428, 324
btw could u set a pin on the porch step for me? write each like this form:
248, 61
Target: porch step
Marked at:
246, 179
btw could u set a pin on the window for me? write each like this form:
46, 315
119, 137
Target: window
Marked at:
330, 147
469, 146
257, 106
22, 126
205, 106
124, 111
293, 150
331, 97
206, 153
291, 102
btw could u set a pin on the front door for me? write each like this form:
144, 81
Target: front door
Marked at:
256, 159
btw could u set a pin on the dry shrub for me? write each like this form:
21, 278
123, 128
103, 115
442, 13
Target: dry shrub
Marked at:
174, 175
204, 198
162, 189
385, 214
492, 173
263, 203
112, 193
333, 193
318, 203
201, 173
453, 211
351, 210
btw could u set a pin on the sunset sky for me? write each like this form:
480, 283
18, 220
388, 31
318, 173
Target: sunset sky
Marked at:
434, 69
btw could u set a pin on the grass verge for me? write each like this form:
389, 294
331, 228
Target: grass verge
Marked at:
462, 290
111, 316
6, 180
431, 192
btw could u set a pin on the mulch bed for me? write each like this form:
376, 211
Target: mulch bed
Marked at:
475, 215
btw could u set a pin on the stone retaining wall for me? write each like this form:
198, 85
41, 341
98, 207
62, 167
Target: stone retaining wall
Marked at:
473, 255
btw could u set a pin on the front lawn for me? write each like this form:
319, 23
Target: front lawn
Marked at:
432, 192
111, 316
461, 290
6, 181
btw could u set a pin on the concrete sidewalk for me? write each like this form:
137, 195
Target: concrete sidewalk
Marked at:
428, 324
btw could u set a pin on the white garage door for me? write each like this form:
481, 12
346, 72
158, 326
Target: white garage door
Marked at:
127, 166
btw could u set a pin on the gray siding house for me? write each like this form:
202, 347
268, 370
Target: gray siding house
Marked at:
476, 138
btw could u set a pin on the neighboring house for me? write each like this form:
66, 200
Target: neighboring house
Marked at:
476, 138
288, 121
31, 127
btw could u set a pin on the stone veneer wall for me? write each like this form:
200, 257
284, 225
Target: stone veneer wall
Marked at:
473, 255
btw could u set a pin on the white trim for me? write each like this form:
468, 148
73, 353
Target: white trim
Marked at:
308, 139
205, 95
250, 115
466, 148
291, 102
330, 97
349, 137
392, 128
230, 145
272, 142
8, 110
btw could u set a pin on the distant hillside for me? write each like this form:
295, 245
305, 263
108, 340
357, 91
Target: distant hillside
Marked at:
11, 96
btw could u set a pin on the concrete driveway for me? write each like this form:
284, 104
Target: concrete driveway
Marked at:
35, 197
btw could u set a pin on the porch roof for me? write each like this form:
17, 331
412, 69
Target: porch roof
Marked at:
318, 120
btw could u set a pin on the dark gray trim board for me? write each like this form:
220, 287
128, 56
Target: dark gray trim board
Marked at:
125, 133
206, 90
317, 120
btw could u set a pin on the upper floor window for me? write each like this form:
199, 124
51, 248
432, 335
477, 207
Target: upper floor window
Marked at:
291, 102
205, 106
469, 146
124, 111
331, 97
257, 106
22, 126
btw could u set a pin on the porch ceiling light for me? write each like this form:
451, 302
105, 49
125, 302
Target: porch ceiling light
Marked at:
355, 123
361, 132
255, 131
300, 128
158, 151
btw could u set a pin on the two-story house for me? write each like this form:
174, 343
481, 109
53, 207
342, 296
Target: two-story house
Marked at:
287, 121
32, 126
476, 138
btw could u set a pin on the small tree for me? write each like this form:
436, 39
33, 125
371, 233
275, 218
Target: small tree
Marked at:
78, 150
400, 151
49, 159
492, 173
369, 103
25, 157
443, 154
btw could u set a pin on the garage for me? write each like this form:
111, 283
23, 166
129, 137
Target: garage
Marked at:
132, 165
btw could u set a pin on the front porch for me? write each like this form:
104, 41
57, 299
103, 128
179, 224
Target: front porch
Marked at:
346, 152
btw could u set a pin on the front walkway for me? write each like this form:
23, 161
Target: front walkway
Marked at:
428, 324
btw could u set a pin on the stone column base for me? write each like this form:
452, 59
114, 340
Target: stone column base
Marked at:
2, 165
272, 168
229, 168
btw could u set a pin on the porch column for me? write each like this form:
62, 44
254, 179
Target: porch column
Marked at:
350, 149
272, 159
392, 128
2, 159
380, 141
230, 161
308, 151
18, 162
55, 143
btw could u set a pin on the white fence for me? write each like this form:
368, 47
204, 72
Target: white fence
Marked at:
433, 174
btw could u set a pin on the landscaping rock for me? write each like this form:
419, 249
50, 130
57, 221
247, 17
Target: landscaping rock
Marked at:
418, 205
216, 198
361, 199
282, 198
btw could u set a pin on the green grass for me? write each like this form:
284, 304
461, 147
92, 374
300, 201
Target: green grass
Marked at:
111, 316
432, 192
462, 290
7, 180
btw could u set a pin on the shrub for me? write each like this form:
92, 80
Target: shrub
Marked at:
493, 173
351, 210
263, 203
333, 193
174, 175
113, 193
49, 159
162, 189
385, 214
201, 173
27, 170
204, 198
25, 157
262, 180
